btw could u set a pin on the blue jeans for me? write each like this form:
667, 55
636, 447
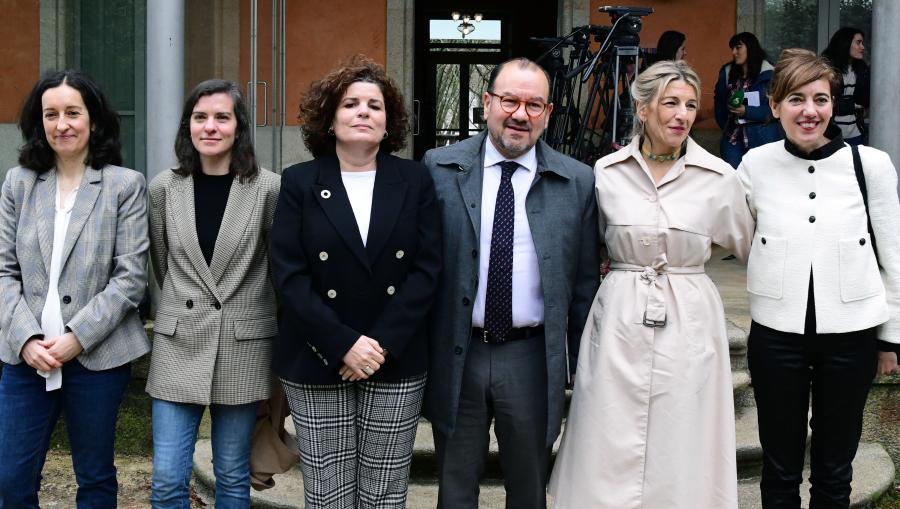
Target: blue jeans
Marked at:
175, 427
89, 402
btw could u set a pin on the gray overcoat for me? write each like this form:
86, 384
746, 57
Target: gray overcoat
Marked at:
562, 214
214, 326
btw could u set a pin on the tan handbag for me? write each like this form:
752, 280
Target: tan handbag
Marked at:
273, 451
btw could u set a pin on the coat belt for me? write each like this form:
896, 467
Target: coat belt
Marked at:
655, 309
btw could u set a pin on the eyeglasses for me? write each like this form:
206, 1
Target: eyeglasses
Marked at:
511, 104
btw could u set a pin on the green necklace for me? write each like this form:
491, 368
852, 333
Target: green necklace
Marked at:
661, 157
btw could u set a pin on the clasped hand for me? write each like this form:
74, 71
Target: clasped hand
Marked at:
363, 359
47, 354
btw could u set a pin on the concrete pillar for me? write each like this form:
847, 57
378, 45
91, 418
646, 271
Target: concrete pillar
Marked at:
56, 33
885, 121
572, 13
751, 18
165, 82
400, 57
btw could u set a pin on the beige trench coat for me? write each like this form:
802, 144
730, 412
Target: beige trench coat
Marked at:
651, 423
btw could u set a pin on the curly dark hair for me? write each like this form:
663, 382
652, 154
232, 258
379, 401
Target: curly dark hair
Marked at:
319, 103
243, 158
103, 146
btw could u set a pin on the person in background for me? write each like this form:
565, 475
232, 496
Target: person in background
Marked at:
672, 45
845, 51
356, 253
73, 270
210, 219
651, 424
825, 319
741, 108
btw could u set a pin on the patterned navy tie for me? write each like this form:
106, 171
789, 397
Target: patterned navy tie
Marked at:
498, 299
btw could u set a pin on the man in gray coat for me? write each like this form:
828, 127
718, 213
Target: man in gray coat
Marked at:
520, 272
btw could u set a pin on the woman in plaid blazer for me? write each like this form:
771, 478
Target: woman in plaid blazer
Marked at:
209, 224
73, 257
355, 254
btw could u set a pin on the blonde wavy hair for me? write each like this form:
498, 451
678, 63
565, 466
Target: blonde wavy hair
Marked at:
650, 83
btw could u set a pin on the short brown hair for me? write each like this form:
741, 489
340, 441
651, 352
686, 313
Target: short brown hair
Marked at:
319, 103
797, 67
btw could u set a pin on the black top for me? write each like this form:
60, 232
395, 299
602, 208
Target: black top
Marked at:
835, 143
210, 199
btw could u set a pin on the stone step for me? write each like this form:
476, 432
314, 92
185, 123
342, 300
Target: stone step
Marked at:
737, 345
873, 476
748, 451
743, 393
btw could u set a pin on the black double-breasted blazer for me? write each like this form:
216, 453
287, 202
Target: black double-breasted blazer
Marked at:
334, 289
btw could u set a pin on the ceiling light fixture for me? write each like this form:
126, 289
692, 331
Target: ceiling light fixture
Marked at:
466, 27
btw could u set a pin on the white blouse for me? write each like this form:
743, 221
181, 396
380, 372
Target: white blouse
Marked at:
360, 185
51, 316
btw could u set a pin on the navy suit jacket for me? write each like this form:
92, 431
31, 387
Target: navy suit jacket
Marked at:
335, 289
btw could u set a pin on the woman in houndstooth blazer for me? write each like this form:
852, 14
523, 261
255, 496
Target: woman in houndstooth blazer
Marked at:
209, 222
73, 257
355, 254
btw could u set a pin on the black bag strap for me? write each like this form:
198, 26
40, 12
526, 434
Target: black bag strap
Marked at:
861, 180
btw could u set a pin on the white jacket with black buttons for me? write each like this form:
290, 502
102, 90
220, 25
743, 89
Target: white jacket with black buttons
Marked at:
810, 216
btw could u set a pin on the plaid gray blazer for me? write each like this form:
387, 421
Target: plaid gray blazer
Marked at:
104, 272
212, 340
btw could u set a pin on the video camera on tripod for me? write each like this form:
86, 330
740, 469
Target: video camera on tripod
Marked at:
626, 26
589, 126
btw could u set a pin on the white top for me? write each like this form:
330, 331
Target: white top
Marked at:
825, 232
51, 316
359, 186
847, 123
527, 293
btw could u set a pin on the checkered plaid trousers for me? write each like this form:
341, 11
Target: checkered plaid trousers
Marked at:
356, 441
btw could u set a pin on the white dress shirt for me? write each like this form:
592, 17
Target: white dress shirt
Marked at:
51, 316
527, 294
360, 185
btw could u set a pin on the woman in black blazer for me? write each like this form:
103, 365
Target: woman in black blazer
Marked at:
355, 254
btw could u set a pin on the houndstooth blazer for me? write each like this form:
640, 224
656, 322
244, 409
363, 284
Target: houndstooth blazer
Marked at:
214, 324
104, 263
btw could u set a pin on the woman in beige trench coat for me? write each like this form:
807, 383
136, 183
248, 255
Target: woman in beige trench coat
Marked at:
651, 423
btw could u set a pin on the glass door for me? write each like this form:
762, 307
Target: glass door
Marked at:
457, 65
110, 46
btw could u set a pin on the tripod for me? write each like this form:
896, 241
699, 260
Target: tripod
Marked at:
593, 110
609, 114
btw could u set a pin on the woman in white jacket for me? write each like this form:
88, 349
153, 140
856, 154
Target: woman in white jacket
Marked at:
824, 318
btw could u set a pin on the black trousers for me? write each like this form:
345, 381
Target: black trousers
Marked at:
506, 383
837, 370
